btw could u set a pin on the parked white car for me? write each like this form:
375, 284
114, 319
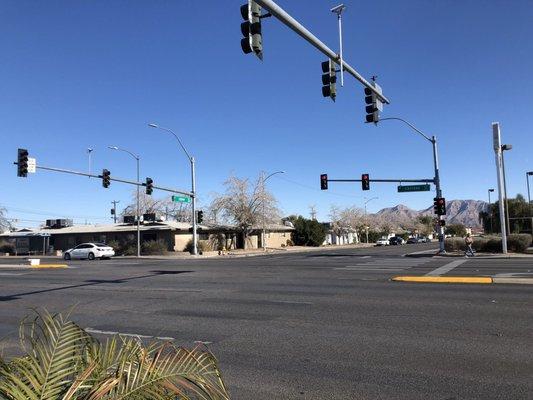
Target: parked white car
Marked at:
382, 242
89, 251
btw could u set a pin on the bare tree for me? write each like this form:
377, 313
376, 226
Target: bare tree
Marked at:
5, 224
346, 220
244, 204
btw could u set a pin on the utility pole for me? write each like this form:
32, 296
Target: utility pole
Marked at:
496, 139
312, 211
114, 210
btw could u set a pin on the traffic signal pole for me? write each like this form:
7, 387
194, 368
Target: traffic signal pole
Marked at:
438, 191
289, 21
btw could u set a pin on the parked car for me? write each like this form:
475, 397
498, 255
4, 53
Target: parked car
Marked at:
424, 239
396, 240
413, 240
382, 242
89, 251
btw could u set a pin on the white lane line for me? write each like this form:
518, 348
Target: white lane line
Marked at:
372, 269
446, 268
137, 335
290, 302
14, 273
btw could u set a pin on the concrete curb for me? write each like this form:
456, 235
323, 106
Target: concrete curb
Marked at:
463, 279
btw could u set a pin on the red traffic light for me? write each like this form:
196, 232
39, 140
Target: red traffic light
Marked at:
324, 182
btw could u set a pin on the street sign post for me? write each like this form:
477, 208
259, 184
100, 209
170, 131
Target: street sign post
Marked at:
181, 199
413, 188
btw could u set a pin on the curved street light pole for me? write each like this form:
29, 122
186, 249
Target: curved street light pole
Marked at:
193, 186
138, 216
436, 179
263, 241
366, 230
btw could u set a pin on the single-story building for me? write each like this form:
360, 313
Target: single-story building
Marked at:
175, 234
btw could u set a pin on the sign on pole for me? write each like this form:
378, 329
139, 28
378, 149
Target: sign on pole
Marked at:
181, 199
413, 188
32, 165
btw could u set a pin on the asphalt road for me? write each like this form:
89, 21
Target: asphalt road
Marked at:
320, 325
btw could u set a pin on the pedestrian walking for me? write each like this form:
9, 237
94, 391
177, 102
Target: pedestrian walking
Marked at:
468, 242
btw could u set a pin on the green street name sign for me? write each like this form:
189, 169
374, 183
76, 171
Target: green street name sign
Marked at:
413, 188
181, 199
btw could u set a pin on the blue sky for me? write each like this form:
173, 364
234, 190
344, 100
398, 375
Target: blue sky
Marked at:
78, 74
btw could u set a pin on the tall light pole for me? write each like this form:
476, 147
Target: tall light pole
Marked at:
193, 186
490, 210
263, 239
436, 179
138, 216
506, 147
89, 154
528, 174
373, 198
496, 144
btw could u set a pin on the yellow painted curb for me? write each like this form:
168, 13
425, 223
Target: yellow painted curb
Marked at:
50, 266
443, 279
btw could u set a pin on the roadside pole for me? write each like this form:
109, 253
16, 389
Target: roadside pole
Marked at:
438, 191
496, 139
193, 191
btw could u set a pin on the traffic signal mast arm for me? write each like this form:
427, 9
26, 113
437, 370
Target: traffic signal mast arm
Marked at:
386, 180
66, 171
286, 19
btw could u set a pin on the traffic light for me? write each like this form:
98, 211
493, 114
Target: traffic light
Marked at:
199, 216
324, 182
365, 182
439, 205
149, 185
106, 178
374, 104
251, 29
329, 78
22, 163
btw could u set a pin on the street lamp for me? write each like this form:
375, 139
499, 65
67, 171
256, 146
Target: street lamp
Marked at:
373, 198
138, 217
263, 241
89, 154
490, 209
193, 186
528, 174
436, 178
508, 225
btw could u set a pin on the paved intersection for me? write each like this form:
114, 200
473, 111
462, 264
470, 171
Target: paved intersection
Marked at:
327, 324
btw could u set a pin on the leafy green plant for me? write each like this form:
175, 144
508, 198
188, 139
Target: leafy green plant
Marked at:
63, 361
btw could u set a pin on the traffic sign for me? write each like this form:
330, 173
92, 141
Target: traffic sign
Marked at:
181, 199
32, 165
413, 188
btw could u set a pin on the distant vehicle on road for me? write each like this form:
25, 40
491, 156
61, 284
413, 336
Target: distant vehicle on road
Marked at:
424, 239
382, 242
396, 240
89, 251
413, 240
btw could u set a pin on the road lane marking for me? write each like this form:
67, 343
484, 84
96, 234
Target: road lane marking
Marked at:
443, 279
137, 335
291, 302
446, 268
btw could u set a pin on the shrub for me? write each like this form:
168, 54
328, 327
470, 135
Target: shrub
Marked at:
203, 245
290, 242
154, 247
123, 247
519, 242
308, 232
454, 244
493, 245
6, 247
